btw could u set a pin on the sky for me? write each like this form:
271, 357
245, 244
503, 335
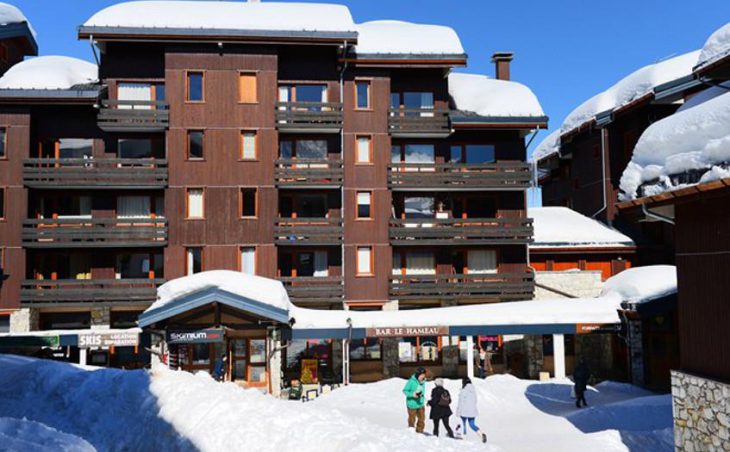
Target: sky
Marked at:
565, 50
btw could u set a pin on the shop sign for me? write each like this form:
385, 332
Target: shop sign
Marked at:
195, 336
587, 328
406, 331
105, 340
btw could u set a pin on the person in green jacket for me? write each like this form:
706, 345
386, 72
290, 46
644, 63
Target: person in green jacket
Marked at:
415, 391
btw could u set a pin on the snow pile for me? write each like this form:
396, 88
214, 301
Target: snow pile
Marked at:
640, 284
30, 436
564, 227
225, 16
10, 14
397, 37
630, 88
716, 47
696, 139
49, 72
547, 147
491, 97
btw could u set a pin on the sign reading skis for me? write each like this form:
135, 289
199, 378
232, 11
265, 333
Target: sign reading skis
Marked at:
106, 340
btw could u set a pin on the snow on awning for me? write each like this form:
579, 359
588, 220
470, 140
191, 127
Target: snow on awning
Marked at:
642, 284
547, 147
561, 227
487, 98
716, 47
49, 73
393, 38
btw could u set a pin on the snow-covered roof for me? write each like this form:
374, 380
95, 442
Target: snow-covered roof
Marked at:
10, 14
642, 284
547, 147
561, 227
695, 139
49, 73
636, 85
716, 47
394, 37
490, 97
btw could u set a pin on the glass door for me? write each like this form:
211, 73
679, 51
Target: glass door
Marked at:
239, 353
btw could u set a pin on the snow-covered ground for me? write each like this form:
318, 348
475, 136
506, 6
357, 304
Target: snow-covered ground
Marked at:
45, 405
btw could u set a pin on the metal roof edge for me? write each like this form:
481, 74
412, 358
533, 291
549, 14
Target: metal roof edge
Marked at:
48, 93
104, 32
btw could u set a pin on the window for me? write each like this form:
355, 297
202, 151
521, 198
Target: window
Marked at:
474, 154
362, 93
2, 202
3, 142
415, 103
130, 207
4, 323
134, 266
303, 149
363, 204
366, 349
136, 148
248, 145
248, 202
482, 262
413, 153
418, 207
248, 260
247, 88
419, 349
195, 203
420, 263
195, 145
195, 87
194, 260
364, 147
364, 260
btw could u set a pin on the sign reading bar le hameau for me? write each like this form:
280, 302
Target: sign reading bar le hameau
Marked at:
405, 331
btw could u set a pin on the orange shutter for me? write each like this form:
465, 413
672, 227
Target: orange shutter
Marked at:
247, 88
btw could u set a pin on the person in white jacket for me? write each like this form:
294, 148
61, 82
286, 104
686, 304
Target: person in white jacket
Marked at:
467, 409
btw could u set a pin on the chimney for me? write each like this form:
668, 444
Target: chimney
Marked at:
501, 62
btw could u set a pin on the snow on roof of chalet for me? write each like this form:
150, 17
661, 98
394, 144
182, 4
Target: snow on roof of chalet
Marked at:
632, 87
716, 47
548, 146
561, 227
641, 284
10, 14
490, 97
49, 73
394, 37
695, 139
219, 15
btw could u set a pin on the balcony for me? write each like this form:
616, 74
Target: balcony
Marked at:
313, 290
308, 173
313, 117
66, 292
497, 286
308, 231
133, 115
457, 176
453, 231
81, 174
418, 123
94, 233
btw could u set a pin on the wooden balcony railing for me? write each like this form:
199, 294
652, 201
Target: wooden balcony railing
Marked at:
63, 174
418, 122
94, 291
315, 173
308, 231
313, 290
94, 232
498, 286
435, 176
458, 231
319, 117
133, 115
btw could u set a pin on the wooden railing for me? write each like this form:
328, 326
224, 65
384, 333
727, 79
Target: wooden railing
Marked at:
418, 122
498, 286
94, 232
458, 231
133, 115
313, 290
308, 231
308, 172
320, 117
504, 175
75, 291
94, 173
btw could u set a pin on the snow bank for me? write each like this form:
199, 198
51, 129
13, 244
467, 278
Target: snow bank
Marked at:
564, 227
49, 72
491, 97
716, 47
640, 284
397, 37
10, 14
30, 436
225, 16
547, 147
632, 87
694, 139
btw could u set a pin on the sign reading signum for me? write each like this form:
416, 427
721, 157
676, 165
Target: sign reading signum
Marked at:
105, 340
405, 331
195, 337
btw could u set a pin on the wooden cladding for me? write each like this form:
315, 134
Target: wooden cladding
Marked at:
419, 122
133, 115
315, 291
496, 286
64, 292
96, 232
458, 231
324, 173
308, 231
491, 176
112, 174
319, 117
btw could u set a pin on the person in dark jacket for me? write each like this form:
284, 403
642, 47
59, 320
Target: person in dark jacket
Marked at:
581, 374
440, 408
219, 371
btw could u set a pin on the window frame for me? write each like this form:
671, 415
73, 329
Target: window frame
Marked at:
371, 270
241, 216
4, 199
255, 258
357, 205
370, 150
202, 86
255, 75
369, 83
187, 203
241, 156
188, 157
464, 154
4, 155
187, 258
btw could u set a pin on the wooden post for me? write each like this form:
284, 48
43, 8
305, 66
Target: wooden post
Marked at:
559, 355
470, 356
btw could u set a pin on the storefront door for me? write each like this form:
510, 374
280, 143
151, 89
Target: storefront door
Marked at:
248, 362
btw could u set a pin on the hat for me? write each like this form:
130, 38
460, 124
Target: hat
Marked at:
420, 371
439, 382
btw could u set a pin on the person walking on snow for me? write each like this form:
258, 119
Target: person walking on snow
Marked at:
581, 374
440, 408
415, 392
467, 409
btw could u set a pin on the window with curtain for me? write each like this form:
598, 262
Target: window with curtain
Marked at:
420, 263
364, 260
133, 207
362, 92
482, 261
248, 202
397, 263
134, 92
247, 88
195, 144
195, 203
248, 145
195, 87
248, 260
194, 260
363, 204
321, 269
363, 150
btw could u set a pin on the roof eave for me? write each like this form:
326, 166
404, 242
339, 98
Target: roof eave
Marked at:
501, 122
407, 59
20, 30
48, 96
669, 197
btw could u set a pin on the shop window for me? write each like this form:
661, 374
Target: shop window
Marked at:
547, 344
364, 150
194, 260
248, 145
201, 354
366, 349
362, 91
363, 205
64, 320
195, 87
248, 260
248, 202
364, 261
196, 204
4, 323
195, 144
247, 88
419, 349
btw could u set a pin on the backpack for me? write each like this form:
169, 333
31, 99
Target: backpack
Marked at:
445, 399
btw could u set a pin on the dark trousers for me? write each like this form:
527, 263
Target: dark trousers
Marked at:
580, 396
445, 421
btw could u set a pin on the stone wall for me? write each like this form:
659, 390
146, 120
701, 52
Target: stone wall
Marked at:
24, 320
583, 284
636, 349
701, 413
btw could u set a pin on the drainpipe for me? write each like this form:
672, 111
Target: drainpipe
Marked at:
342, 157
93, 50
656, 216
603, 173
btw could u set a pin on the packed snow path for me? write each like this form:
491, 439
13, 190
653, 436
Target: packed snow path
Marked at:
166, 410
